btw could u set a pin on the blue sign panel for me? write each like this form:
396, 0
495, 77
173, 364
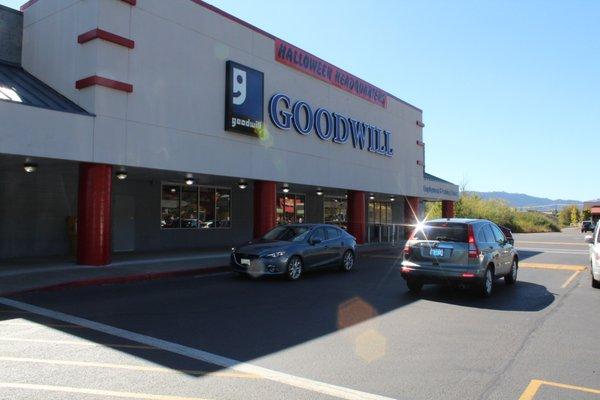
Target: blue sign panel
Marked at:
328, 126
244, 99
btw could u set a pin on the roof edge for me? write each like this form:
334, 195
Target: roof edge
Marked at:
273, 37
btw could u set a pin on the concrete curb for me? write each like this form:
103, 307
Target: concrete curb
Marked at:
148, 276
120, 279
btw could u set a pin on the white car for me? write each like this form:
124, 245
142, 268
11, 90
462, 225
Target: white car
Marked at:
594, 241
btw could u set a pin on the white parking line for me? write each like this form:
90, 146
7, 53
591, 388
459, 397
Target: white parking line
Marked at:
564, 285
201, 355
554, 251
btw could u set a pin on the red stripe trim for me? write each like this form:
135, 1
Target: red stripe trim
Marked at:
100, 81
27, 5
104, 35
132, 2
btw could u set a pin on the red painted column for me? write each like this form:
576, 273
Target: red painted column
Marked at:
447, 209
265, 216
411, 212
356, 215
94, 214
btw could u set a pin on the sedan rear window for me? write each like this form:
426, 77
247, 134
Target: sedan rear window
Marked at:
443, 231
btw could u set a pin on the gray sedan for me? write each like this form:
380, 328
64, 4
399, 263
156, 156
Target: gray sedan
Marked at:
289, 250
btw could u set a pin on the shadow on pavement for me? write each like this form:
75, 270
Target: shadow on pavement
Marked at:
245, 319
525, 254
522, 296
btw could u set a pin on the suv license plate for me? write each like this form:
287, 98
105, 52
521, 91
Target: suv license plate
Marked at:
245, 261
436, 252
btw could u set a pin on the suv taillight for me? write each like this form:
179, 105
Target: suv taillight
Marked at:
473, 249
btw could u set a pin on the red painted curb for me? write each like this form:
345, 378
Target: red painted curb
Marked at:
120, 279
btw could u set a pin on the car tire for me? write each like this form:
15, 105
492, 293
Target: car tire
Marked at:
486, 286
294, 268
595, 282
414, 286
511, 277
348, 260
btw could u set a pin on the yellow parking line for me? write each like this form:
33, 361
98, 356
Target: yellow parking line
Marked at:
535, 384
78, 343
225, 374
565, 267
95, 392
551, 243
573, 275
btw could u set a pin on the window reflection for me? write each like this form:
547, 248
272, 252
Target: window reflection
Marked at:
170, 207
223, 208
206, 211
334, 211
193, 207
189, 207
290, 208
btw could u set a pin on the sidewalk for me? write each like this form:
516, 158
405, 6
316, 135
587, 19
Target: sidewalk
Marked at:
24, 275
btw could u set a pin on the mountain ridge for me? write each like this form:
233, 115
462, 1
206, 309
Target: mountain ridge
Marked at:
522, 200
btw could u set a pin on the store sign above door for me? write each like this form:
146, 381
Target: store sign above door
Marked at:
328, 126
298, 59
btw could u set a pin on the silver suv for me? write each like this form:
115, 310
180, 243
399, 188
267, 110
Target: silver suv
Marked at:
455, 250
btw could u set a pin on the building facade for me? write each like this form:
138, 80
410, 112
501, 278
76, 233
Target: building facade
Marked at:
150, 125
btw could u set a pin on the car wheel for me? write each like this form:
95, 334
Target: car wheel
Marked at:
294, 268
414, 286
347, 261
511, 277
487, 283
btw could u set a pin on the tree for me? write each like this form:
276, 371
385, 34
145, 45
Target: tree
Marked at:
586, 214
575, 216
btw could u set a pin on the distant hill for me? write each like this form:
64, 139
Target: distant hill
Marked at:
525, 201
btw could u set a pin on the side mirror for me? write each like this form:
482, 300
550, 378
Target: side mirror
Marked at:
511, 241
314, 241
589, 239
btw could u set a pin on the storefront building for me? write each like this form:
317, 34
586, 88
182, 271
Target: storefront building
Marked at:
151, 125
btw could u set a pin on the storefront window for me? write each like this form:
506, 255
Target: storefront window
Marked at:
189, 207
380, 212
193, 207
206, 211
334, 211
223, 208
290, 208
170, 207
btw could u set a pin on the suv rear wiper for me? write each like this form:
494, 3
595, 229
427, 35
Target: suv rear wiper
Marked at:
445, 239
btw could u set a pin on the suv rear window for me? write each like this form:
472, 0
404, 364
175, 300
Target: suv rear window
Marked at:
444, 232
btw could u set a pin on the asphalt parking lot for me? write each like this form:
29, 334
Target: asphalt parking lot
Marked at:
357, 335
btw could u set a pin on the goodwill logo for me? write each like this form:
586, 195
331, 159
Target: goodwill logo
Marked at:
244, 99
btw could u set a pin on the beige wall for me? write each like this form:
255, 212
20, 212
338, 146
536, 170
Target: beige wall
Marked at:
174, 118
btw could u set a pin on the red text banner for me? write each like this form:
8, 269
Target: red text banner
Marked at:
299, 59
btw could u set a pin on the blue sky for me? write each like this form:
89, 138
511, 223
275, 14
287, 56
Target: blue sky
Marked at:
510, 89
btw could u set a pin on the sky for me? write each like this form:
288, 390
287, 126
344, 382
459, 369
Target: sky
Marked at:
510, 90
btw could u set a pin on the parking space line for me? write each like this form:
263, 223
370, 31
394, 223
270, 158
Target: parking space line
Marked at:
566, 267
77, 343
95, 392
573, 275
141, 368
201, 355
550, 243
535, 384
